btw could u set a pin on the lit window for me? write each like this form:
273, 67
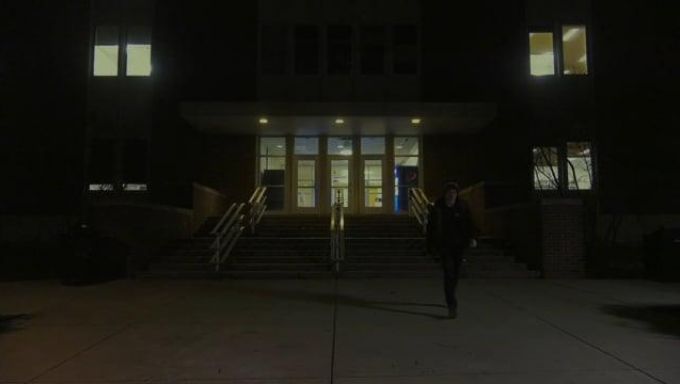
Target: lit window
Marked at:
100, 187
542, 54
138, 52
132, 187
273, 170
341, 146
406, 171
574, 50
306, 145
546, 170
579, 166
106, 51
372, 145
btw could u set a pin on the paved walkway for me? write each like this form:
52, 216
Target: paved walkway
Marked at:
348, 332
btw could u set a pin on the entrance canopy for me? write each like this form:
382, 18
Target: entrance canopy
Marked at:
316, 118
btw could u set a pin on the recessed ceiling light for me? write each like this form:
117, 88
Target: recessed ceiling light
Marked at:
279, 146
415, 120
263, 120
339, 121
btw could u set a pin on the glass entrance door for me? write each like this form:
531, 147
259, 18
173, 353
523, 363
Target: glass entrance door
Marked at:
340, 182
372, 185
306, 185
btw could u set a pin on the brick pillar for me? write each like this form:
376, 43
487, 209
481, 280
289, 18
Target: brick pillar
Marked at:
563, 240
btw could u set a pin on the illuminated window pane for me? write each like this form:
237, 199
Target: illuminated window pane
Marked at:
373, 181
138, 51
574, 50
273, 146
406, 146
542, 54
340, 146
405, 177
134, 187
106, 52
306, 145
340, 182
579, 166
138, 60
546, 174
372, 145
273, 175
306, 183
306, 173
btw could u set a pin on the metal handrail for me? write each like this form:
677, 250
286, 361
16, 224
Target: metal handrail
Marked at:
337, 234
419, 206
223, 219
228, 232
258, 206
233, 222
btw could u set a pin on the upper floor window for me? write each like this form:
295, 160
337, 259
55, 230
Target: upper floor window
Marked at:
565, 167
373, 50
405, 49
274, 49
339, 40
579, 166
106, 51
546, 170
542, 53
574, 50
137, 56
138, 52
306, 49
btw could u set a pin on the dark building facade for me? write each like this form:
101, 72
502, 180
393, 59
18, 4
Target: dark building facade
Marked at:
520, 101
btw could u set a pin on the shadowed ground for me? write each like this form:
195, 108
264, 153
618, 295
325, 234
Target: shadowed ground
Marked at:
346, 331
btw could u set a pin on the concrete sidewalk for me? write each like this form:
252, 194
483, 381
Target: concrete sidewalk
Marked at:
349, 332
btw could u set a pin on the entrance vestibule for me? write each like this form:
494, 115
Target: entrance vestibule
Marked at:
368, 174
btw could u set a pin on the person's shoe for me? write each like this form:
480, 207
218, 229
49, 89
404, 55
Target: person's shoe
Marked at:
453, 313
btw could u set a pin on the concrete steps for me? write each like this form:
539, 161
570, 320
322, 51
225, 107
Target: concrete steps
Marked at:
299, 247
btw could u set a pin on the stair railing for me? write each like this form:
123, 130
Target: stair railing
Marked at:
337, 234
419, 207
258, 206
226, 232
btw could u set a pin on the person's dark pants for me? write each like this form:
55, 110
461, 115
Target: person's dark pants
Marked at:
451, 260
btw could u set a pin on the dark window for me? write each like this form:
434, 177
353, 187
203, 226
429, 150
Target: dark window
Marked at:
339, 49
274, 50
134, 161
306, 49
102, 167
405, 49
373, 50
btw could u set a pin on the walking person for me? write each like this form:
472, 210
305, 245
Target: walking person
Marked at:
450, 231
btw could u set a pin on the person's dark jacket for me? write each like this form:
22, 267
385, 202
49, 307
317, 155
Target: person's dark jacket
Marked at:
449, 227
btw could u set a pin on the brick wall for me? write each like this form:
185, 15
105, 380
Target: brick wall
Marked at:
563, 237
